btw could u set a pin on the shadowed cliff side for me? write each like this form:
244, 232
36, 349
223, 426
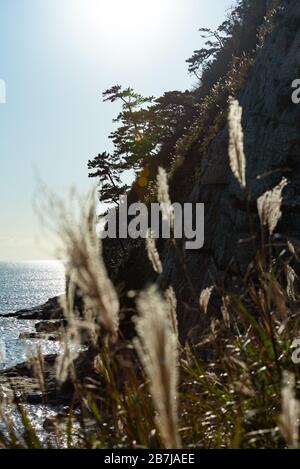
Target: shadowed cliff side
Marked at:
271, 125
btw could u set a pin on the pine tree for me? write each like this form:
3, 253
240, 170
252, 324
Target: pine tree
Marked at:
145, 126
129, 139
108, 170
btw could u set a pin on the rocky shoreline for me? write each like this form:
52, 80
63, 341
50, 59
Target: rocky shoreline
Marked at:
50, 310
21, 377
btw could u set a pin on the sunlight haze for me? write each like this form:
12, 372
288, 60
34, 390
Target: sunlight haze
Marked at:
57, 57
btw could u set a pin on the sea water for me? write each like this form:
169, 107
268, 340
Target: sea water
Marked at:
22, 286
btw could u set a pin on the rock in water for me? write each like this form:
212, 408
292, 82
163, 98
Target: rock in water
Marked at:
50, 310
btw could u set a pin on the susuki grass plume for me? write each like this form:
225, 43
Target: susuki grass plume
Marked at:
82, 251
85, 261
36, 359
88, 281
204, 299
269, 206
236, 143
289, 418
153, 254
164, 197
172, 308
71, 340
291, 277
157, 348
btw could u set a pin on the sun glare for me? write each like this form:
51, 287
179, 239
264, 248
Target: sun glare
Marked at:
120, 23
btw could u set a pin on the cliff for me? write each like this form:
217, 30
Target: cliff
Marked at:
271, 123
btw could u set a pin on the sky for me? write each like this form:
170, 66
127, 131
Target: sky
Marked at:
56, 58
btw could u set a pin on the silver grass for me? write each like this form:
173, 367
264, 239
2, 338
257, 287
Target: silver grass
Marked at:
153, 254
83, 250
236, 143
85, 259
225, 311
291, 277
172, 309
269, 206
75, 228
164, 197
289, 418
292, 250
36, 359
7, 417
71, 340
157, 346
204, 299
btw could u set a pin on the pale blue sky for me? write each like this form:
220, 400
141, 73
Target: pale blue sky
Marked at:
56, 57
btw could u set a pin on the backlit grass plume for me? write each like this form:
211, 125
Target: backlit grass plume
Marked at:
85, 259
164, 197
236, 143
289, 419
157, 348
153, 254
269, 206
170, 297
204, 299
71, 340
88, 281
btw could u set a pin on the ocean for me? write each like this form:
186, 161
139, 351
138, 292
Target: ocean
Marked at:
24, 285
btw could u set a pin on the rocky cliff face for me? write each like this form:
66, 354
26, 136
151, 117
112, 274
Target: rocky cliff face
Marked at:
272, 146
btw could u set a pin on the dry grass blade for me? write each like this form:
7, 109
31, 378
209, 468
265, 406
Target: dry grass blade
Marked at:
157, 348
291, 277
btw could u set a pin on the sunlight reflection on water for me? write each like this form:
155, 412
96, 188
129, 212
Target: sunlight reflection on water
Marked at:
24, 285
